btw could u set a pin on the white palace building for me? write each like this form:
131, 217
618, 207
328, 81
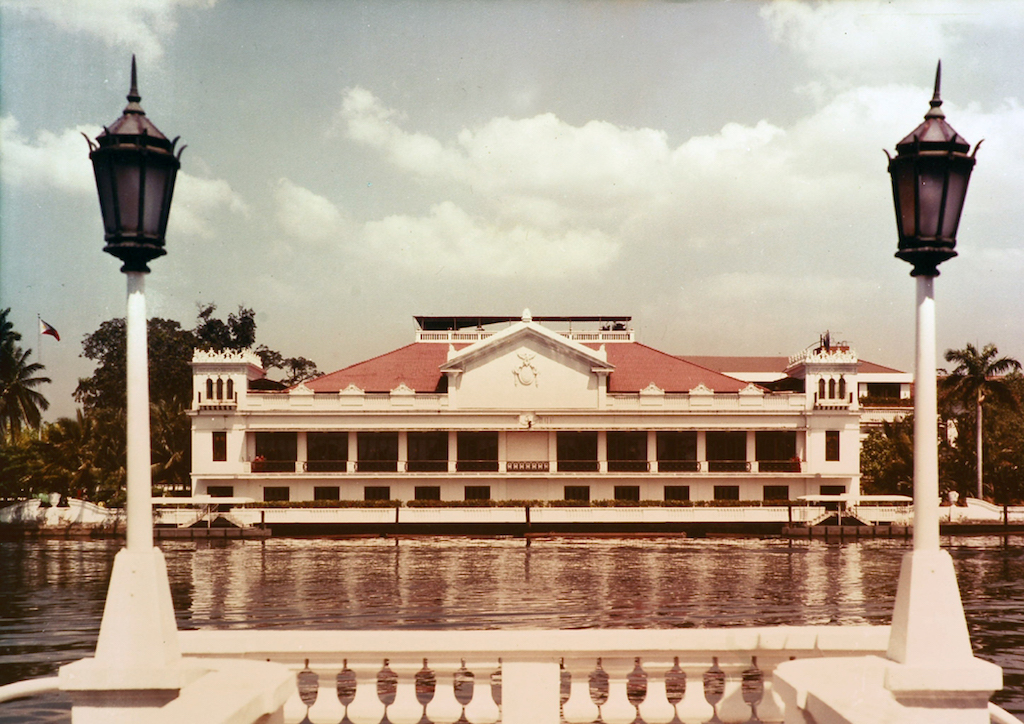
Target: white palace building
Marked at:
535, 408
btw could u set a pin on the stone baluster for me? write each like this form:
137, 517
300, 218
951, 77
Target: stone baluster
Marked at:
482, 708
579, 707
656, 707
320, 705
405, 708
752, 689
444, 708
620, 706
366, 707
714, 688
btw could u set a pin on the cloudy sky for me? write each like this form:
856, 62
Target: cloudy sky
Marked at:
714, 169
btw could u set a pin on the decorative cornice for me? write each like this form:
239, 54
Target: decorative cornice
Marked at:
227, 356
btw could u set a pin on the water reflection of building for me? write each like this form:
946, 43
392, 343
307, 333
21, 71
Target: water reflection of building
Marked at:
533, 408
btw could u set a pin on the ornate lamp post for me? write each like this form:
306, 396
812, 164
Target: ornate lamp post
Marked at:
929, 632
137, 650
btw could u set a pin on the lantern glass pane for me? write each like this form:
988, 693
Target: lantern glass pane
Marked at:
156, 188
903, 177
127, 171
954, 202
931, 179
105, 187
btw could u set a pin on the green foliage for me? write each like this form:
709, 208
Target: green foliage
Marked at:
85, 456
981, 377
20, 403
170, 352
238, 332
887, 459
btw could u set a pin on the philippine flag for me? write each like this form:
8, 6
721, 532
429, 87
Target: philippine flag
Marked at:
45, 328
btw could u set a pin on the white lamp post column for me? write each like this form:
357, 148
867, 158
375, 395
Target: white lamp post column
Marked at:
139, 533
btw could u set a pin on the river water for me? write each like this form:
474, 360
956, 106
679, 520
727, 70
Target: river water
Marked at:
52, 591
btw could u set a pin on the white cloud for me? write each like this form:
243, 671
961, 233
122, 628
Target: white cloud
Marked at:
137, 25
865, 41
305, 215
61, 161
450, 239
53, 160
198, 201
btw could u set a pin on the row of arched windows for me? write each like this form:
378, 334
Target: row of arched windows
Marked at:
218, 390
836, 389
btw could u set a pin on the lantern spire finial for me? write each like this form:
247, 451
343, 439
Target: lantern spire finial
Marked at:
133, 93
936, 102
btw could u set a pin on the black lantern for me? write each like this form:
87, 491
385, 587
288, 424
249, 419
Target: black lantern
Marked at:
929, 182
135, 169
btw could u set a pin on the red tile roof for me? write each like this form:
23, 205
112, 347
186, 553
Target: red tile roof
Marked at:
765, 364
418, 367
738, 364
637, 366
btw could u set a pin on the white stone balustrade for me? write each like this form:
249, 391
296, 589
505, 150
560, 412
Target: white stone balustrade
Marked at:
545, 676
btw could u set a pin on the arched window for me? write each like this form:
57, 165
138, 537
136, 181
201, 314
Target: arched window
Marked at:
209, 389
831, 389
220, 389
231, 389
821, 388
842, 388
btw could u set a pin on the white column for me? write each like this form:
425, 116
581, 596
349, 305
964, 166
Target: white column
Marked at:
403, 451
139, 507
652, 451
602, 451
926, 431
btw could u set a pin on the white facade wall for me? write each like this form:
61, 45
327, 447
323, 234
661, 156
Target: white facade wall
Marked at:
527, 385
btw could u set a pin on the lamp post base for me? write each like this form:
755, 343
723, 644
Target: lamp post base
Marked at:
137, 654
929, 639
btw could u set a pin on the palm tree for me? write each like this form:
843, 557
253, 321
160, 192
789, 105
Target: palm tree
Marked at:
19, 402
976, 378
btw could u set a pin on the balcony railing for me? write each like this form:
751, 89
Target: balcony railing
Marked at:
679, 466
728, 466
476, 466
325, 466
521, 677
578, 466
273, 466
527, 466
629, 466
778, 466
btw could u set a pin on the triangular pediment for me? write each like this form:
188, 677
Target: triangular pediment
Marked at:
300, 389
519, 334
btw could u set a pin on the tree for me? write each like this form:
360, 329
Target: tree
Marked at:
975, 379
20, 402
170, 352
238, 332
887, 458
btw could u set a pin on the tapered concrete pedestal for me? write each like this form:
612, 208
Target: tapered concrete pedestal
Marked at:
137, 660
930, 673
